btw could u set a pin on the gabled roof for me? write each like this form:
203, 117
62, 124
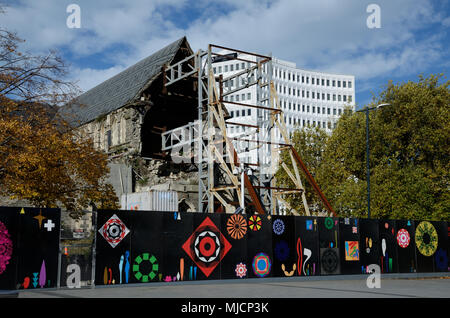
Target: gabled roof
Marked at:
120, 89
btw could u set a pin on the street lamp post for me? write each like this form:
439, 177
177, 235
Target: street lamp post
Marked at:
366, 110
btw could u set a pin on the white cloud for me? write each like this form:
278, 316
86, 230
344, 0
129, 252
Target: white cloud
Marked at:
327, 35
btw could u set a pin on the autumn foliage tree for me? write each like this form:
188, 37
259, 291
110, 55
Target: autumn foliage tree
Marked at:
43, 160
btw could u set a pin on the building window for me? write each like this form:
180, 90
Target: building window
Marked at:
318, 110
303, 78
314, 109
344, 84
307, 109
344, 97
339, 83
231, 68
334, 83
323, 82
220, 69
349, 98
339, 98
249, 112
303, 108
226, 68
334, 111
312, 80
349, 84
328, 110
339, 111
328, 82
334, 97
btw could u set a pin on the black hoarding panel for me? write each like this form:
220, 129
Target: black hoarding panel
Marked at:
349, 246
113, 247
440, 256
206, 246
259, 246
427, 239
306, 246
9, 230
283, 245
176, 264
146, 246
330, 261
388, 246
235, 229
328, 232
38, 247
406, 247
369, 244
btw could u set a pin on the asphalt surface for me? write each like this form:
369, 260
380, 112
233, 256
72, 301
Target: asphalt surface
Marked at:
426, 285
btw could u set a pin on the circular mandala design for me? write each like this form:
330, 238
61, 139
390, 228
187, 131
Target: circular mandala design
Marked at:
281, 251
237, 226
154, 267
441, 260
254, 223
403, 238
114, 231
6, 247
241, 270
426, 238
329, 223
278, 226
207, 246
330, 260
261, 264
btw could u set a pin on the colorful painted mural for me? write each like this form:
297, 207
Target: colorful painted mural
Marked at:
192, 246
29, 247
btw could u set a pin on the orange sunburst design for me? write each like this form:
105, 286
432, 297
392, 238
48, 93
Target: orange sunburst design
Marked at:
237, 226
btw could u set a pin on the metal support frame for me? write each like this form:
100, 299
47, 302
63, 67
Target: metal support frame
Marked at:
216, 153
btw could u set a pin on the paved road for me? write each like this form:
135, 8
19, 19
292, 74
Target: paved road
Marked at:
392, 286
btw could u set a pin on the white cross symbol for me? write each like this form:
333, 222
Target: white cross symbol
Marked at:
49, 225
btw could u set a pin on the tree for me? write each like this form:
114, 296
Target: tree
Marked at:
409, 155
309, 143
42, 159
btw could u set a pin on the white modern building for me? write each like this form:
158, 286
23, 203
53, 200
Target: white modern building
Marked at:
307, 98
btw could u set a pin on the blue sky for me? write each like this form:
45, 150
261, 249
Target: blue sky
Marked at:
322, 35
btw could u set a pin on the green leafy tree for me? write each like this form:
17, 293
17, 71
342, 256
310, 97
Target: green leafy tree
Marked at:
310, 144
409, 155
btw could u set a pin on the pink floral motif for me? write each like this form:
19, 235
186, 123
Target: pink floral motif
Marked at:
241, 270
6, 247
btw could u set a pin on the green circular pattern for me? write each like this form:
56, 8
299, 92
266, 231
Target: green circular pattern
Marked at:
154, 267
426, 238
329, 223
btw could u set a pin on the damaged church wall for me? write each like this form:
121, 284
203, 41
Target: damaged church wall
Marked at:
119, 135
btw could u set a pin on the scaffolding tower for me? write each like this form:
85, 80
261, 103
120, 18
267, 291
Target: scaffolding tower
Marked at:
226, 183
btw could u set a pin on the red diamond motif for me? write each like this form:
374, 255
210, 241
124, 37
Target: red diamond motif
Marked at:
206, 246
